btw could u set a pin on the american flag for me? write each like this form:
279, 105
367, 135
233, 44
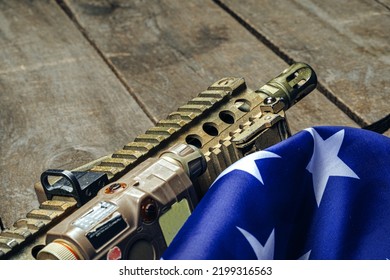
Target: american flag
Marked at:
324, 193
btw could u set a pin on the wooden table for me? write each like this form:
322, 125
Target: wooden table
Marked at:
80, 79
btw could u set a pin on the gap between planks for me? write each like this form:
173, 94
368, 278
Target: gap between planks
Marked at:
119, 76
380, 126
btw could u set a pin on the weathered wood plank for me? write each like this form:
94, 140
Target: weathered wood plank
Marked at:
384, 3
60, 105
348, 43
167, 51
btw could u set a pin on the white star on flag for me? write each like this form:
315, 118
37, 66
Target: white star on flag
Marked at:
325, 162
248, 165
305, 256
265, 252
321, 194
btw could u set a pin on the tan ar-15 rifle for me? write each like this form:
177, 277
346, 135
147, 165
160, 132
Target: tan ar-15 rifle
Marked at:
131, 203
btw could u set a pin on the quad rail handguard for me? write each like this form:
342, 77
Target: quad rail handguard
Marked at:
135, 194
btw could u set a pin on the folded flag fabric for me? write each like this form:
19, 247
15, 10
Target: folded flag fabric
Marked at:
324, 193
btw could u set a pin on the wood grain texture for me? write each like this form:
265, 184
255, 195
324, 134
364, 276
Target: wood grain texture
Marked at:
384, 3
346, 42
60, 105
168, 51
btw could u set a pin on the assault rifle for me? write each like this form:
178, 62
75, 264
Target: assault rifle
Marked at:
131, 203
